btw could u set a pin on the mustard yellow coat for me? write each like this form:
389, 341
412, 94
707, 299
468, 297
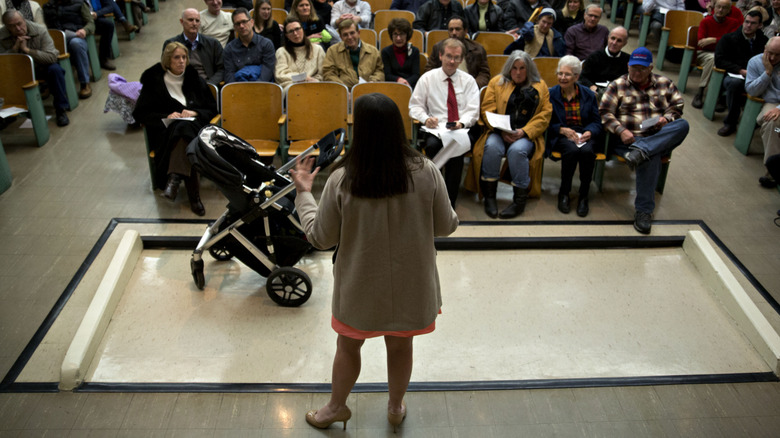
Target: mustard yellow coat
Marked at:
495, 100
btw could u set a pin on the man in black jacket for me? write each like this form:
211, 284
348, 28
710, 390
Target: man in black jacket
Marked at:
435, 14
732, 54
475, 58
205, 51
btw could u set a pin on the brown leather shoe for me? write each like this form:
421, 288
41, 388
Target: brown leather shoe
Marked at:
129, 28
85, 91
172, 187
726, 130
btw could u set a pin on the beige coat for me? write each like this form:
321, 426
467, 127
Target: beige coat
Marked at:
495, 101
338, 65
286, 66
385, 275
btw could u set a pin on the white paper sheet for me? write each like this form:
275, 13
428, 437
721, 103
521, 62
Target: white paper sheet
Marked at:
300, 77
27, 124
167, 122
11, 111
455, 142
499, 121
736, 76
602, 84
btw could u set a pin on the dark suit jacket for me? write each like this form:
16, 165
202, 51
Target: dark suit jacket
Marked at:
476, 61
210, 53
409, 71
589, 112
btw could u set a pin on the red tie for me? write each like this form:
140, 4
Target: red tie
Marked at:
452, 103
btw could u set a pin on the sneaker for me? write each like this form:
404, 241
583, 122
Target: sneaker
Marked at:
634, 157
62, 118
643, 222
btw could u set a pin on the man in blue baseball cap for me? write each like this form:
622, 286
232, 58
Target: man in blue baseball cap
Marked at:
644, 110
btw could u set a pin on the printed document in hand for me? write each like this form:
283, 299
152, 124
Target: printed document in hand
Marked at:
736, 76
455, 142
499, 121
299, 77
167, 122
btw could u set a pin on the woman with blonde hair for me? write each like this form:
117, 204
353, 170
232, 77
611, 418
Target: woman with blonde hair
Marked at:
172, 89
313, 26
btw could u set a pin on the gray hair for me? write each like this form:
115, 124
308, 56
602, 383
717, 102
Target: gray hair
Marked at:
594, 6
572, 62
532, 73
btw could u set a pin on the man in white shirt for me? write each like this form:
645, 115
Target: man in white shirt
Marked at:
446, 97
657, 10
215, 22
356, 10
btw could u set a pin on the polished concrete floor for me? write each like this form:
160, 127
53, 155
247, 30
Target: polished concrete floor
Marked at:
65, 193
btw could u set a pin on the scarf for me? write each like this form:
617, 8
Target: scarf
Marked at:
532, 47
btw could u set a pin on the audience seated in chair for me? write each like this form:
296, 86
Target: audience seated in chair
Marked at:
314, 26
172, 89
446, 98
215, 22
350, 60
401, 60
407, 5
520, 93
358, 11
539, 39
101, 8
656, 17
475, 56
205, 52
495, 19
434, 14
298, 55
630, 100
23, 36
711, 30
73, 17
760, 82
30, 9
573, 12
587, 37
575, 132
732, 54
608, 64
265, 25
250, 57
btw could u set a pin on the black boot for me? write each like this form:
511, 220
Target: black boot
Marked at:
193, 192
518, 204
489, 189
172, 187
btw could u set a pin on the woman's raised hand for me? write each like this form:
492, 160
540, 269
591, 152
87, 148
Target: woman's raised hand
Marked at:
301, 174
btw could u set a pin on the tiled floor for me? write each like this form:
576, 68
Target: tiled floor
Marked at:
65, 193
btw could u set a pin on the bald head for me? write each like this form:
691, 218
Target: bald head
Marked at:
190, 23
617, 40
772, 50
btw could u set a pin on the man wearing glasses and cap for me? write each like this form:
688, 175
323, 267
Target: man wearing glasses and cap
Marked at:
644, 111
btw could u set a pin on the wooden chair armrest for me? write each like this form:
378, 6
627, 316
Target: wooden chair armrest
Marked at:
216, 119
282, 119
719, 70
755, 99
349, 119
63, 56
32, 84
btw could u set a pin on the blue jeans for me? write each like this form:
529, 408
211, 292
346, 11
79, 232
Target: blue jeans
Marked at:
517, 155
77, 47
655, 146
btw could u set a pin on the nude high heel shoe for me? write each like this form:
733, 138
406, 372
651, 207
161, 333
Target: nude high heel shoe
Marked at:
344, 414
395, 420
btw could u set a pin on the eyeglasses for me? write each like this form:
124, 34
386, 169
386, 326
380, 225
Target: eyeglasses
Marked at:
565, 75
292, 31
449, 57
241, 23
398, 35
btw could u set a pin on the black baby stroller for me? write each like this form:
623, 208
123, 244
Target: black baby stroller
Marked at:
260, 226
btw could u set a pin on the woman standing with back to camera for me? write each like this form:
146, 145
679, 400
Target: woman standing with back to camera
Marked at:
381, 207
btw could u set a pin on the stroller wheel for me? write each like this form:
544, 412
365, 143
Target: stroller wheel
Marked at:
221, 254
288, 287
197, 273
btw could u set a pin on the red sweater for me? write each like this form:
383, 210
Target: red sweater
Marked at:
709, 28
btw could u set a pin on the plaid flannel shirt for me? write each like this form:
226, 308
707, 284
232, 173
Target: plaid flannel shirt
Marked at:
625, 106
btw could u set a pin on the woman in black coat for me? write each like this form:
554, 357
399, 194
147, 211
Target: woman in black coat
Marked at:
401, 59
172, 89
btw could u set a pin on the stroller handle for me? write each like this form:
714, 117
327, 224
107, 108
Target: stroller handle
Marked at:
330, 147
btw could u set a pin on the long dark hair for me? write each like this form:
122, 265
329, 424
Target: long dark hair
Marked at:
256, 14
288, 45
380, 162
